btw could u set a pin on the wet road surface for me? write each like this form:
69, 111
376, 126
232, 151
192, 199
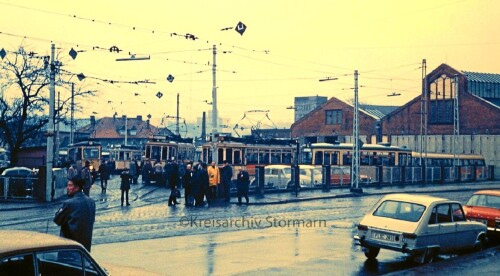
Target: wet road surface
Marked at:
229, 239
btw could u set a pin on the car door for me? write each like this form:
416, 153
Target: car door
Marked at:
464, 237
447, 228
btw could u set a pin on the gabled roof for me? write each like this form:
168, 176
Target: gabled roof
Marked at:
378, 110
482, 77
109, 127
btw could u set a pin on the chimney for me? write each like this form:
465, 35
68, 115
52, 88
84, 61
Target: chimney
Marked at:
92, 120
203, 129
139, 118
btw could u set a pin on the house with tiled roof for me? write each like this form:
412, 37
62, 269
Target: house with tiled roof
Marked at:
115, 130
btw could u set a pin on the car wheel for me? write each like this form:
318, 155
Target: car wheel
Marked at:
429, 256
372, 252
480, 243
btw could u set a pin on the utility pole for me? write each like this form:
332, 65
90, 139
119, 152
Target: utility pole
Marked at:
58, 117
72, 124
456, 122
177, 117
355, 154
50, 124
126, 130
214, 107
423, 117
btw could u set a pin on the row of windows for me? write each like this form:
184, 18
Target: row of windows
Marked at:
486, 90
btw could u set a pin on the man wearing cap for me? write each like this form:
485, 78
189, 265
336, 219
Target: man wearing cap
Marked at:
77, 215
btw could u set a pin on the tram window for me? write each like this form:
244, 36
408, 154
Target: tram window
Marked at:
275, 157
347, 159
237, 157
252, 157
91, 153
79, 154
264, 157
148, 152
229, 156
327, 158
287, 158
155, 153
335, 158
318, 158
365, 158
391, 159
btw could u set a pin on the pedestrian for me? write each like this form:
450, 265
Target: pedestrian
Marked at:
147, 172
104, 175
132, 170
173, 180
205, 183
72, 171
197, 186
213, 180
137, 171
77, 215
226, 176
125, 185
186, 180
86, 175
158, 172
242, 183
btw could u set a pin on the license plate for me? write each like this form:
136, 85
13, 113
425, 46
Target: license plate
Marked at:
383, 236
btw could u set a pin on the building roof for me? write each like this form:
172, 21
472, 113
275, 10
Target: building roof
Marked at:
482, 77
378, 110
109, 128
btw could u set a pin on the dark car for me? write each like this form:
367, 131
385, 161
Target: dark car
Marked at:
20, 180
33, 253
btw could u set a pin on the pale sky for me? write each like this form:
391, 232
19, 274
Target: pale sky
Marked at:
287, 47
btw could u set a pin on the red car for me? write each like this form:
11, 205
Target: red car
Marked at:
484, 206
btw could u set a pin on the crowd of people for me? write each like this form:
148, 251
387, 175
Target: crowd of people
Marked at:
200, 181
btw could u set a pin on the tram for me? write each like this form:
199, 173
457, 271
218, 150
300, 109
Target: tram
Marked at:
341, 155
250, 152
122, 155
161, 148
83, 151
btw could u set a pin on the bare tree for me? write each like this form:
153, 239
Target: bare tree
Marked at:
25, 101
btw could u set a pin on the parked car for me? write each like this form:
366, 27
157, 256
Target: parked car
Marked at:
418, 225
33, 253
280, 176
484, 207
342, 176
21, 181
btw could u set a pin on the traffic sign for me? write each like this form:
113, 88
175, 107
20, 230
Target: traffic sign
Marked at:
240, 28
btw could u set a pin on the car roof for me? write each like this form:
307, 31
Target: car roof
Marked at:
488, 192
18, 241
16, 169
419, 199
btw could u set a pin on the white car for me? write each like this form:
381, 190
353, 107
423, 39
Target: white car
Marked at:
419, 225
280, 176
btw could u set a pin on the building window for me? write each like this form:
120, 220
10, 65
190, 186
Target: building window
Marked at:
441, 100
333, 117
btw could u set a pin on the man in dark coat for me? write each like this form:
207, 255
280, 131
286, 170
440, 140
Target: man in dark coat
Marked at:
125, 184
147, 171
77, 215
226, 176
104, 175
173, 180
197, 186
243, 181
186, 180
86, 175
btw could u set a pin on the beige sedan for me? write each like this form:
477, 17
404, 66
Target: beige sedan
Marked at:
33, 253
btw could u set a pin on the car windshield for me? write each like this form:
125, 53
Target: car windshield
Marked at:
484, 201
400, 210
